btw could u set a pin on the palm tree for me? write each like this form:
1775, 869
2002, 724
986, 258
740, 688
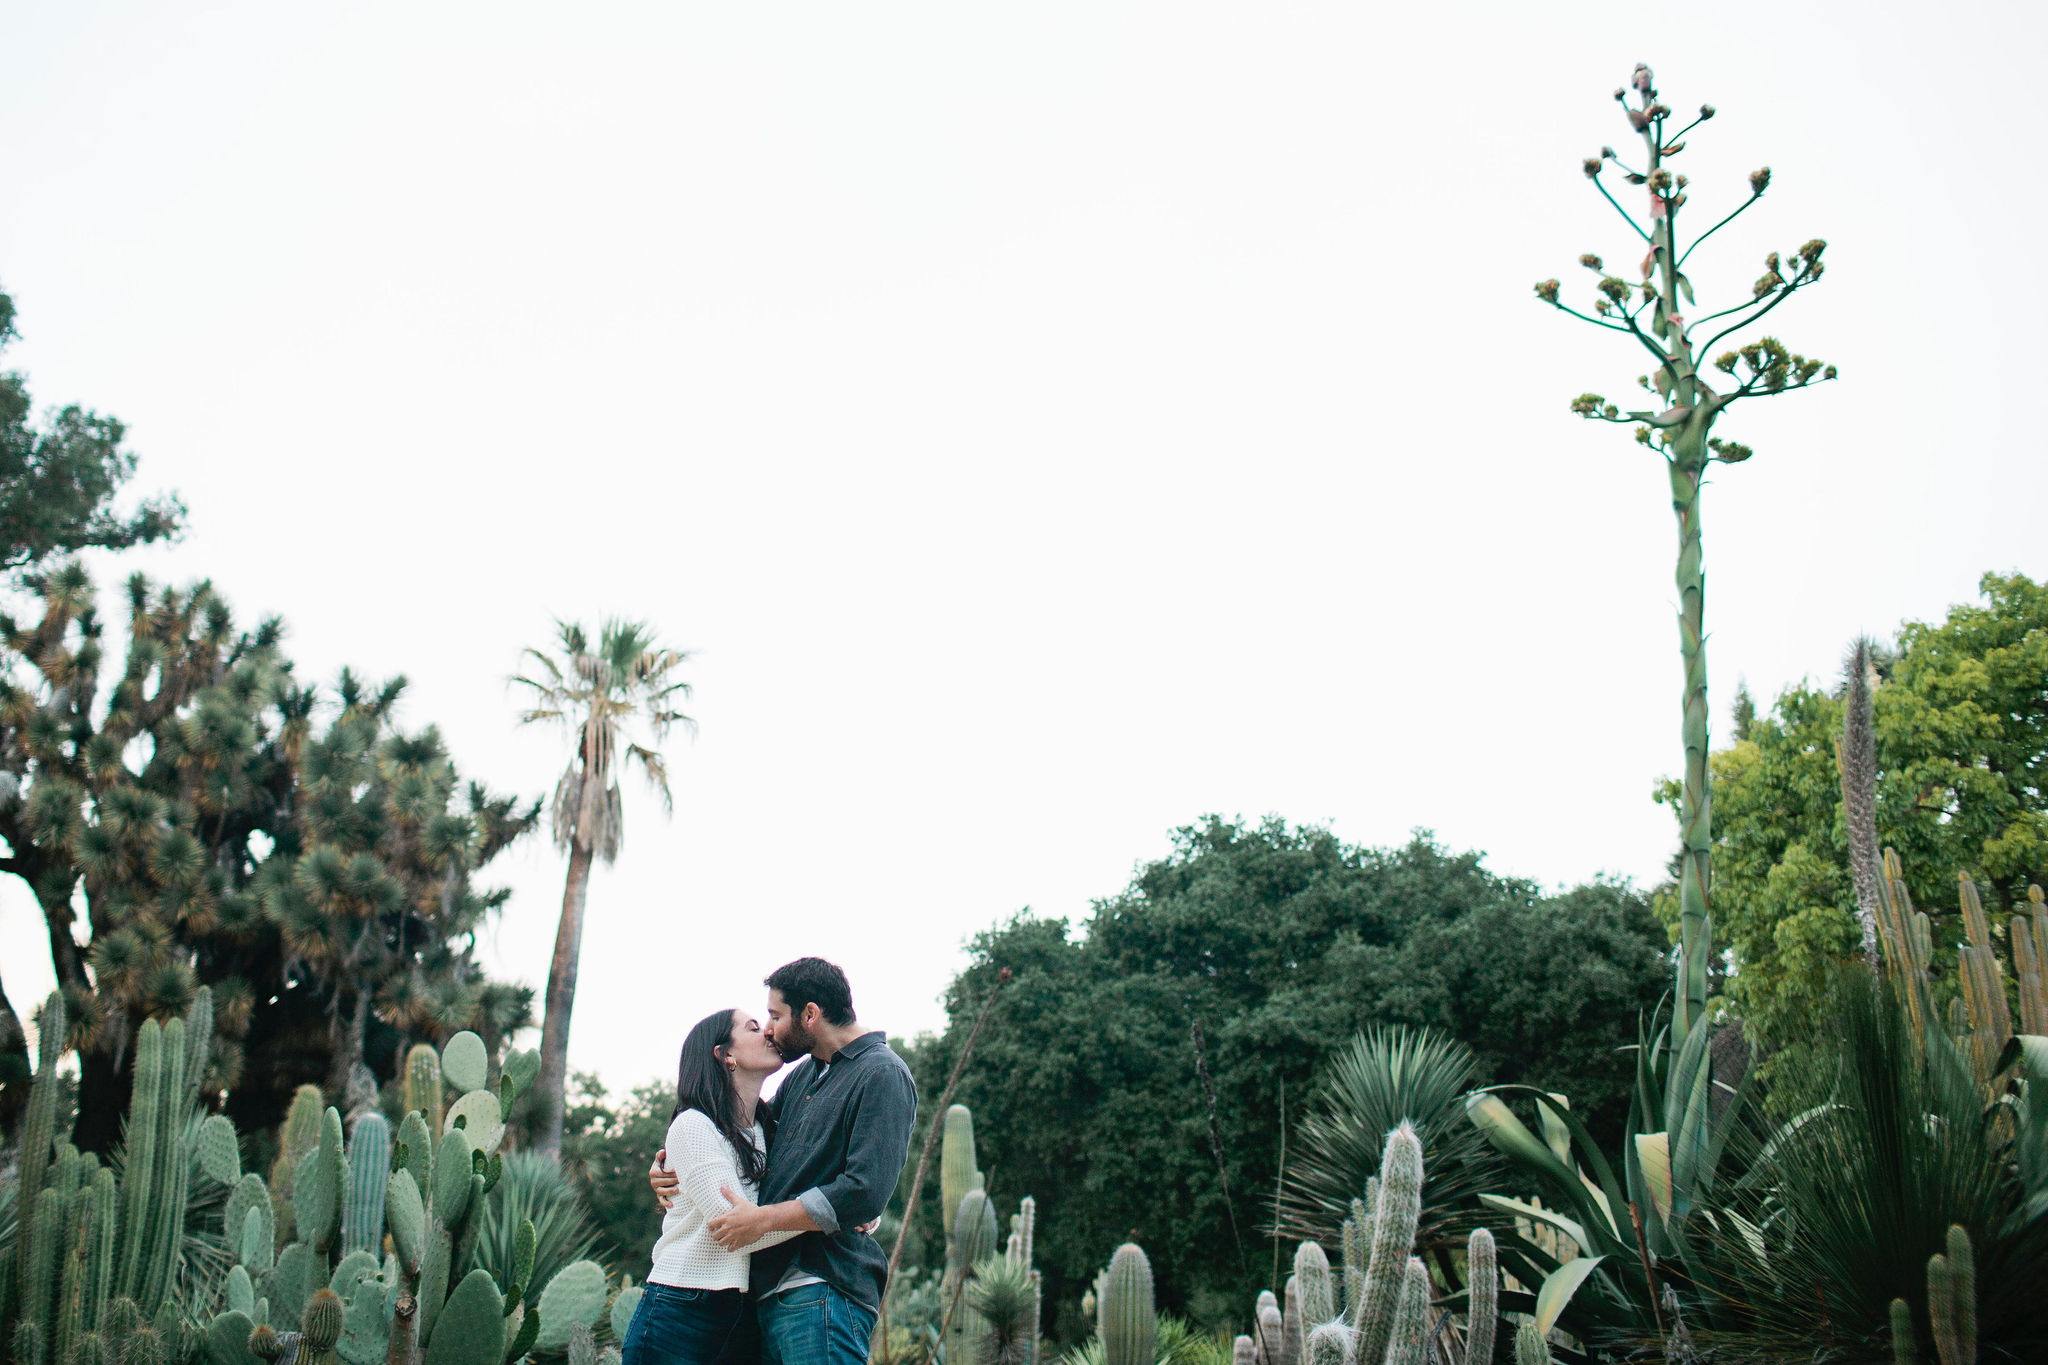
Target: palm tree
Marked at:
598, 694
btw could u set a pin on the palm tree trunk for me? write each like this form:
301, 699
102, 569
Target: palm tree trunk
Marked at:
549, 1086
1688, 462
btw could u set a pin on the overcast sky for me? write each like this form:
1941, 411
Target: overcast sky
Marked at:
1047, 423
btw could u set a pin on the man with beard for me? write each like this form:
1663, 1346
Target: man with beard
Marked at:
841, 1132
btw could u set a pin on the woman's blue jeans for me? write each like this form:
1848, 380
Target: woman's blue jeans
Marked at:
813, 1324
692, 1327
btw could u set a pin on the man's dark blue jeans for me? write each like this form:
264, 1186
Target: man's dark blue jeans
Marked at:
813, 1324
691, 1327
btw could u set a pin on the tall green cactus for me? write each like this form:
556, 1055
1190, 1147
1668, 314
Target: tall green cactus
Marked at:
1318, 1293
958, 1172
369, 1167
1393, 1239
39, 1124
423, 1084
1482, 1286
1952, 1300
1127, 1315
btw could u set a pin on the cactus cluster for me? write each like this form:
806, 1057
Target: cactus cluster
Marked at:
332, 1294
90, 1278
993, 1295
1374, 1308
1951, 1307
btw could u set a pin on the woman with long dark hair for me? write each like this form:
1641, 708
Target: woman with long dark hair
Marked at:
694, 1310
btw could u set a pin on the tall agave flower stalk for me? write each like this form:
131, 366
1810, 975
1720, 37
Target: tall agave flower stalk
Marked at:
1657, 313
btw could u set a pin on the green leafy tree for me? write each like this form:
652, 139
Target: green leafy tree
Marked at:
1088, 1086
58, 480
607, 1142
1653, 315
1960, 716
213, 822
599, 691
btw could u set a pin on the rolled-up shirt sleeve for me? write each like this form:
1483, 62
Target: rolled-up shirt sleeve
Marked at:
878, 1140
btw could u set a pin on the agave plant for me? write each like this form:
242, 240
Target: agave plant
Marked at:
1385, 1075
537, 1188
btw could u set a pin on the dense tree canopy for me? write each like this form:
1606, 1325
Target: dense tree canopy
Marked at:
214, 822
1961, 713
1279, 942
58, 481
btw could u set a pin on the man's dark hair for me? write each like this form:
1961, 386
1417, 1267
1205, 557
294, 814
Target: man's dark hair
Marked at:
813, 980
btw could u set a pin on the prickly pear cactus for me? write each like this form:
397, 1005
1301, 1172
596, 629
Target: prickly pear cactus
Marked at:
576, 1294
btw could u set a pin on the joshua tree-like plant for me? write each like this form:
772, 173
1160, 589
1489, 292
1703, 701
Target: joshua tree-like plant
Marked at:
597, 689
1658, 314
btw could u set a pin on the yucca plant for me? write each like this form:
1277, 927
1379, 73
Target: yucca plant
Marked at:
534, 1188
1383, 1076
1840, 1209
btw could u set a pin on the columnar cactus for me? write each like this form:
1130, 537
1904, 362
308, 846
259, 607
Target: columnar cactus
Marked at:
1408, 1341
1318, 1293
1482, 1284
88, 1237
369, 1167
1393, 1238
1531, 1346
1128, 1317
1952, 1300
423, 1084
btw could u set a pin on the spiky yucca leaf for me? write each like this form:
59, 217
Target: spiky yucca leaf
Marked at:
1385, 1075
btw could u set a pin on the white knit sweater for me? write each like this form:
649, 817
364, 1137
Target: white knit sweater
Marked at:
686, 1257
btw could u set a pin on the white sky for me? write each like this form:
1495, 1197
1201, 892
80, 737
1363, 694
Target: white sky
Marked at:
1048, 422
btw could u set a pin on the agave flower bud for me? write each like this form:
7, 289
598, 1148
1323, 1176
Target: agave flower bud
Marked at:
1683, 182
1636, 179
1590, 261
1547, 290
1641, 78
1828, 373
1759, 180
1603, 307
1620, 93
1725, 362
1660, 180
1592, 167
1607, 153
1706, 111
1642, 436
1614, 289
1610, 412
1587, 404
1656, 111
1771, 262
1766, 283
1811, 251
1638, 120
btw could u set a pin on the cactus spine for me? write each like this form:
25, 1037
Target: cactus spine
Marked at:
1331, 1344
1531, 1346
1408, 1342
1293, 1344
1128, 1316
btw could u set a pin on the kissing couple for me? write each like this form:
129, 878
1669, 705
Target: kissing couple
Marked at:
765, 1255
